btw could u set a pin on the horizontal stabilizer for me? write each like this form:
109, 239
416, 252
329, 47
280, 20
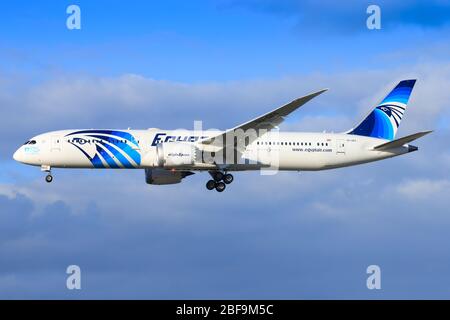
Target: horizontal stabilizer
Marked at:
400, 142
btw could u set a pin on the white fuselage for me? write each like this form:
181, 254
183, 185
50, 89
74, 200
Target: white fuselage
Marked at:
138, 149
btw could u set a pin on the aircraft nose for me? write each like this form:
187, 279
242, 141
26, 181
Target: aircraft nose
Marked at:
18, 155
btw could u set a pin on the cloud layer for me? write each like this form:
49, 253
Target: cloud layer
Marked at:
135, 101
313, 239
307, 235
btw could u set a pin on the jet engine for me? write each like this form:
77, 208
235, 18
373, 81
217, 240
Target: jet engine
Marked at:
170, 155
163, 176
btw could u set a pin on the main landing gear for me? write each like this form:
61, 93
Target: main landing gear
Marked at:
219, 180
48, 177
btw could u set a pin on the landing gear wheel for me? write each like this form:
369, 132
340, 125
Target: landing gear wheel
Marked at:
211, 184
218, 176
228, 178
49, 178
220, 186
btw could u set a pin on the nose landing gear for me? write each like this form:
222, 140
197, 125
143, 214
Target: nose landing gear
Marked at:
219, 181
48, 177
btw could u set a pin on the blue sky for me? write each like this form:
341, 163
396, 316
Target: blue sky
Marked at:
165, 64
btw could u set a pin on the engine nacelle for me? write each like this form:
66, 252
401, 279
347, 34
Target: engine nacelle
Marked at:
163, 176
170, 155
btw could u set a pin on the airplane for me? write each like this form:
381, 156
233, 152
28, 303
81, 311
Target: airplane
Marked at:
169, 156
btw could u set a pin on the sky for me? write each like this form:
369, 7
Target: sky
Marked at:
142, 64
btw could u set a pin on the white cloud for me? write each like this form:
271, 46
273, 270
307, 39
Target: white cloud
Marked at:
424, 189
136, 101
139, 102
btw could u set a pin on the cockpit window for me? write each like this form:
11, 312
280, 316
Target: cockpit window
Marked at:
27, 142
32, 142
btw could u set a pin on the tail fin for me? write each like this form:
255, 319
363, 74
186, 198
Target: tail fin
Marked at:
384, 120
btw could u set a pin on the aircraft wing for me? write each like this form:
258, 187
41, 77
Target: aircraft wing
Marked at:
266, 121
